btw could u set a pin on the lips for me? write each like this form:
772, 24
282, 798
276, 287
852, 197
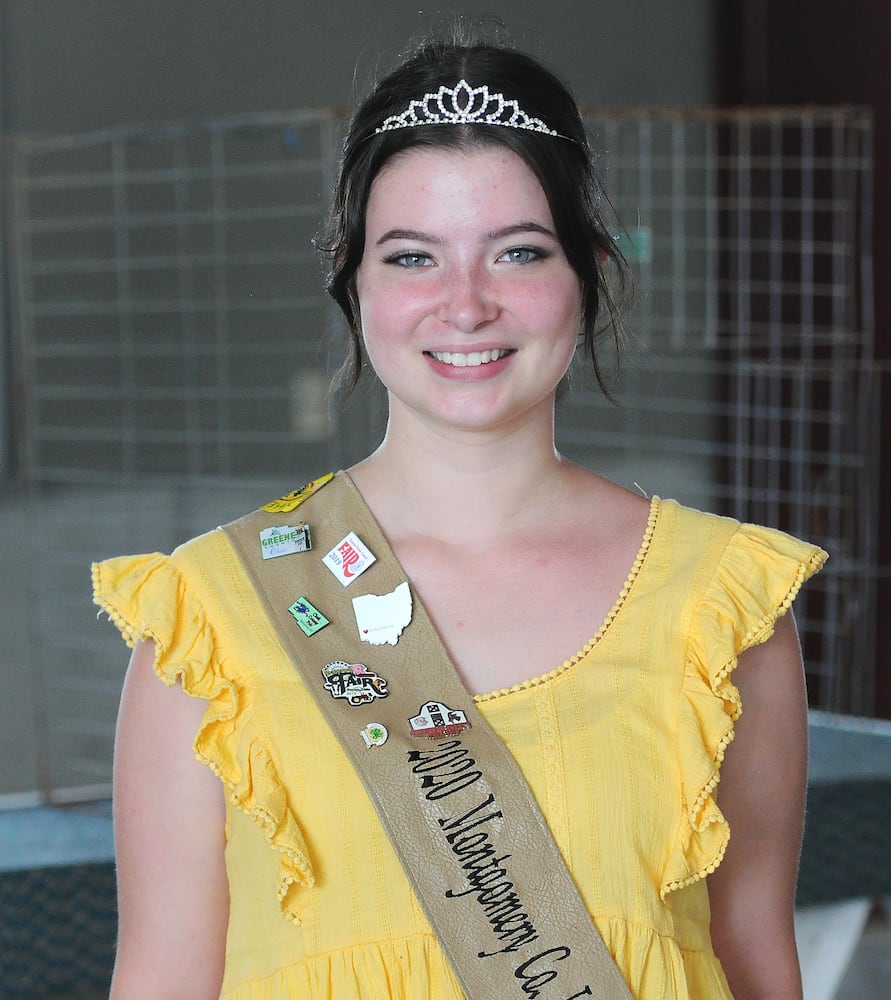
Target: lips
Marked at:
472, 359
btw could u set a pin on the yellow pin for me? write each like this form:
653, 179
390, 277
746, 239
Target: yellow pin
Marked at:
290, 501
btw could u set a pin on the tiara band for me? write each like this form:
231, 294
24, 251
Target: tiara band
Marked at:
464, 105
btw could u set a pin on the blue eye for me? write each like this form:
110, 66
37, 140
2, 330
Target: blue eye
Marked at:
410, 259
523, 255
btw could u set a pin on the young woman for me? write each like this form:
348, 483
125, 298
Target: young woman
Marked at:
595, 631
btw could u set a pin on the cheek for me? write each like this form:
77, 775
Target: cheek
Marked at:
390, 308
556, 305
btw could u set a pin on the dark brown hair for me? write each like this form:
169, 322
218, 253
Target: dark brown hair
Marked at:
563, 165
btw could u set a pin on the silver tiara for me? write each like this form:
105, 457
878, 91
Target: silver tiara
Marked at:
464, 105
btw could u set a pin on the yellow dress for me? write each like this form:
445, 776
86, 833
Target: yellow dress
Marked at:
621, 746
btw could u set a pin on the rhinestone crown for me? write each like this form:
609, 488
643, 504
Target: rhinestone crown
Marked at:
462, 105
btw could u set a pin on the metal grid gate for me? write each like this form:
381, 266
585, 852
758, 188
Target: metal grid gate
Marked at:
168, 317
753, 390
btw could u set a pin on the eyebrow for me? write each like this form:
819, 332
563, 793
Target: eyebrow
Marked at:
409, 234
521, 227
496, 234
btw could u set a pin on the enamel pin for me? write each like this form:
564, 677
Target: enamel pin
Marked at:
285, 541
375, 735
354, 682
435, 720
310, 619
349, 559
290, 501
381, 618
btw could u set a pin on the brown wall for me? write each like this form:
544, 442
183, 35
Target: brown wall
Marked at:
786, 52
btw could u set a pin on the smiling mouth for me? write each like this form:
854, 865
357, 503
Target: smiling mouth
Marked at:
472, 360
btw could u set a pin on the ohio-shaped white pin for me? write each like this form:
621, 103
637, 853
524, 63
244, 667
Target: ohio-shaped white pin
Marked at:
382, 617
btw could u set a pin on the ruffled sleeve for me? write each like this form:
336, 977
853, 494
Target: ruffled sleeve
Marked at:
757, 578
147, 597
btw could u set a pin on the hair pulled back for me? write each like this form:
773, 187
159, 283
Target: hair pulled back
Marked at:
563, 165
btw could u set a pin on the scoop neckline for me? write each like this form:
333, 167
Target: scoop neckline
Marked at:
614, 612
607, 623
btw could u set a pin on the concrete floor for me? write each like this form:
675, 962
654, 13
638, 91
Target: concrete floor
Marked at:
868, 977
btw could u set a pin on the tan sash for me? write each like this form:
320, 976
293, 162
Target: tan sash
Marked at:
469, 834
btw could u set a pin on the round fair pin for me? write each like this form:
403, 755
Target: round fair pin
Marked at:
375, 734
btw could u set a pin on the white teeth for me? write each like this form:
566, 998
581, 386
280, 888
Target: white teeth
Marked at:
472, 360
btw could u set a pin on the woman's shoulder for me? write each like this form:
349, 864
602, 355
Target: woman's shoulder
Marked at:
734, 578
712, 563
729, 542
599, 504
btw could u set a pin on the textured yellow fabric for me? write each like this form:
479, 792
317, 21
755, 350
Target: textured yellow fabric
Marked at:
621, 746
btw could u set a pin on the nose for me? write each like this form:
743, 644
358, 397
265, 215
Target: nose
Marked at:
468, 300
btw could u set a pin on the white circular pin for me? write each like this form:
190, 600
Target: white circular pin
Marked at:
375, 734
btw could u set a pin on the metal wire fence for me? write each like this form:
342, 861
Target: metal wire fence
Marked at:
173, 349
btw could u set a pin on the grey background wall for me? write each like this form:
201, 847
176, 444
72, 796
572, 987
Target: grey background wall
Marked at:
69, 66
74, 65
77, 65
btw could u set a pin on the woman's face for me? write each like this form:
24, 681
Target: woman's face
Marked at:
469, 309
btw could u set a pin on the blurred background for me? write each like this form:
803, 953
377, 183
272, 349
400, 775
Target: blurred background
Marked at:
165, 350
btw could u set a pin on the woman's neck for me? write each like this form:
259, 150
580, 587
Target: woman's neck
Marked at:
453, 484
